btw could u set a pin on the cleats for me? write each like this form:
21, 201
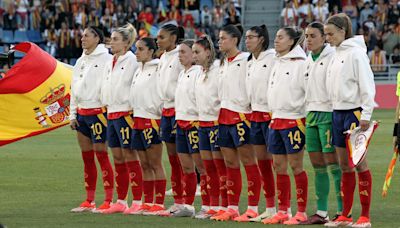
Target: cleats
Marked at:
362, 222
133, 210
84, 207
203, 214
278, 218
118, 207
340, 221
297, 219
315, 219
268, 213
229, 215
184, 211
106, 205
154, 210
246, 216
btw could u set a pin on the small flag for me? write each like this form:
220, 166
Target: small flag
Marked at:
153, 30
357, 142
389, 173
162, 9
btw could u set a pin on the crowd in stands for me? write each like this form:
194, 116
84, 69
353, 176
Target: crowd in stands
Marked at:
377, 20
61, 22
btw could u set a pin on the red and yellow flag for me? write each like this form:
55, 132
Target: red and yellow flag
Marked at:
34, 95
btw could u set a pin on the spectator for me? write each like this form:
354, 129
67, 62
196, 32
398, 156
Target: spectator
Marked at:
93, 19
3, 72
146, 16
365, 12
305, 13
119, 16
321, 11
81, 17
370, 23
218, 16
22, 13
107, 21
351, 10
175, 15
377, 58
394, 58
35, 18
232, 14
64, 42
10, 19
289, 14
206, 20
50, 36
393, 12
76, 36
390, 39
381, 11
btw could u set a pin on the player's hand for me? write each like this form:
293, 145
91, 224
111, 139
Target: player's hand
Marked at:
364, 125
74, 124
394, 143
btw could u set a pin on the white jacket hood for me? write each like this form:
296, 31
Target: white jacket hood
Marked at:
100, 49
296, 53
354, 42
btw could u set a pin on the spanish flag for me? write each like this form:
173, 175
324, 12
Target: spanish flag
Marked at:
34, 95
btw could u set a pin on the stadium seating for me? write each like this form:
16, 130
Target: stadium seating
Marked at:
34, 36
72, 61
8, 37
18, 55
1, 49
20, 36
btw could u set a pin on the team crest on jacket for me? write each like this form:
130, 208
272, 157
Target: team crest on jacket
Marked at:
56, 106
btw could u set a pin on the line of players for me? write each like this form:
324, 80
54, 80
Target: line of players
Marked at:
259, 109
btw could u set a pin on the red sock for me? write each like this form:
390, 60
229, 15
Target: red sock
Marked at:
90, 174
135, 178
301, 180
212, 182
221, 169
148, 191
176, 178
348, 187
108, 175
267, 174
122, 180
205, 195
253, 184
234, 185
190, 180
283, 190
364, 187
159, 187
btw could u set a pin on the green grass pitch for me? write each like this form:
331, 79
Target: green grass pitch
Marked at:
41, 180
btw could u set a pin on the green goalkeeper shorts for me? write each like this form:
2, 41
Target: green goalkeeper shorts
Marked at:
319, 132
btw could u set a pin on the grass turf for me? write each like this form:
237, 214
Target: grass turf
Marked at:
41, 180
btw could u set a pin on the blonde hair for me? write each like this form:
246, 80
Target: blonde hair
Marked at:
128, 33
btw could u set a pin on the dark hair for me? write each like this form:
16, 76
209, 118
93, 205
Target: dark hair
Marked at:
97, 32
262, 31
174, 30
206, 43
150, 43
234, 31
317, 25
294, 34
188, 43
341, 21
